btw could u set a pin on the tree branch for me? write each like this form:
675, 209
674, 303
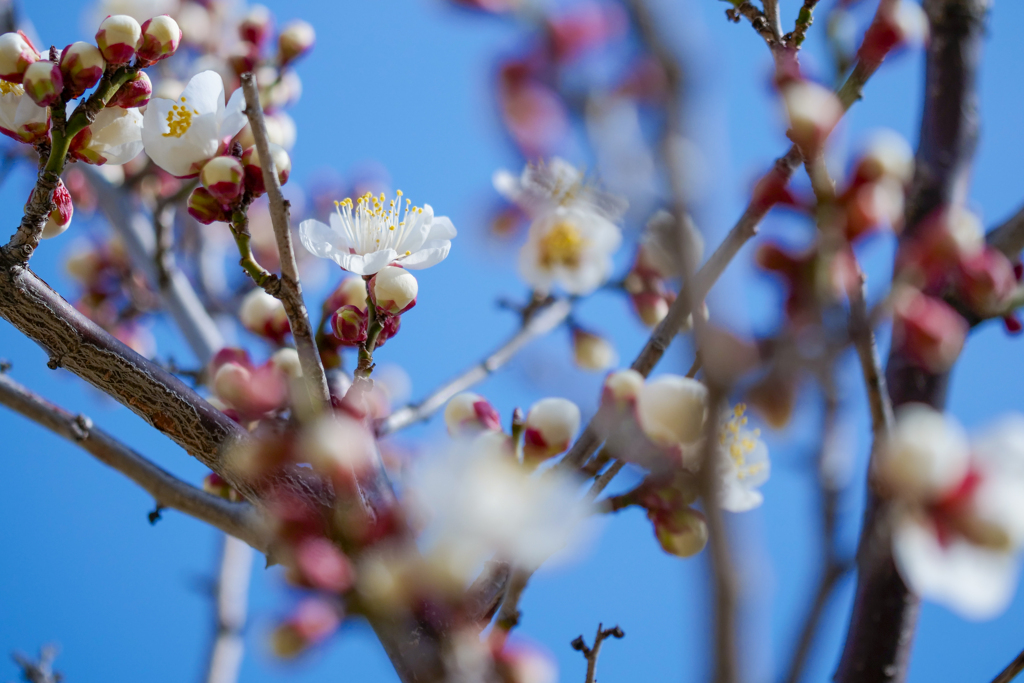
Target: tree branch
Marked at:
591, 653
1011, 670
885, 612
238, 519
232, 604
291, 286
543, 322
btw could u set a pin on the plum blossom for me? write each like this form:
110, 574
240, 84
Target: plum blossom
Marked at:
20, 118
573, 234
181, 135
114, 138
745, 467
370, 233
958, 508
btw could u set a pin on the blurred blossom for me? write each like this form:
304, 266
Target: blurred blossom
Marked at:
477, 503
958, 508
468, 413
624, 157
22, 119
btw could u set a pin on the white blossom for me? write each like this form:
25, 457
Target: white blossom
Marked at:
570, 246
181, 135
114, 138
743, 464
371, 232
20, 117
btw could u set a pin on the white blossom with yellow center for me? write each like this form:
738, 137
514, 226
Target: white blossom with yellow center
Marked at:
183, 134
745, 466
20, 117
372, 232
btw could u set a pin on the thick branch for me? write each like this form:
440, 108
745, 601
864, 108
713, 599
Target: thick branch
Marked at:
540, 324
291, 286
885, 611
1011, 670
238, 519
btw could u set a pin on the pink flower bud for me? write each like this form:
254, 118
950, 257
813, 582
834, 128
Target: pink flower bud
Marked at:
313, 622
469, 413
264, 315
927, 330
160, 38
287, 361
135, 93
254, 167
925, 457
813, 112
323, 566
393, 290
295, 40
591, 351
231, 384
59, 219
622, 387
350, 292
888, 155
215, 485
987, 280
16, 54
224, 178
242, 58
118, 37
205, 208
255, 26
896, 23
682, 533
43, 82
251, 391
349, 325
551, 425
671, 410
873, 204
391, 325
82, 65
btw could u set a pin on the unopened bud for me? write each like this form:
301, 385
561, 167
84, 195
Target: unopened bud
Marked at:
873, 204
813, 112
671, 410
592, 352
323, 566
243, 58
349, 324
469, 413
622, 387
205, 208
925, 457
262, 314
888, 155
254, 167
255, 25
296, 39
927, 330
682, 533
987, 280
224, 178
82, 65
651, 307
313, 622
160, 38
215, 485
901, 22
393, 290
350, 292
232, 383
59, 219
16, 54
551, 425
287, 361
118, 37
134, 93
43, 82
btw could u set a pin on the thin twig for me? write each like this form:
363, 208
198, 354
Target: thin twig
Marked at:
1008, 237
1011, 670
591, 653
291, 285
238, 519
41, 669
539, 324
231, 606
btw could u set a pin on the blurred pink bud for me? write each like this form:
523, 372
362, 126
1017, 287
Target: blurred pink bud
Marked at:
682, 533
135, 93
82, 65
873, 204
160, 38
323, 566
349, 325
534, 114
254, 167
888, 155
314, 620
587, 27
621, 388
252, 391
987, 280
205, 208
262, 314
771, 189
118, 37
393, 290
592, 351
255, 25
244, 57
215, 485
944, 239
350, 292
813, 112
652, 307
16, 54
224, 178
59, 219
927, 330
43, 83
901, 22
296, 39
469, 413
551, 425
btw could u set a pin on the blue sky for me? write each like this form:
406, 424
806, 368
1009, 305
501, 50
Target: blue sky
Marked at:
406, 84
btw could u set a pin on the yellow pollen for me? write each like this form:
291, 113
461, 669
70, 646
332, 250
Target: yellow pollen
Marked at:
179, 120
8, 88
562, 246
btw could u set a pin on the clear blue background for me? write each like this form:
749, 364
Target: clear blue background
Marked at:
407, 83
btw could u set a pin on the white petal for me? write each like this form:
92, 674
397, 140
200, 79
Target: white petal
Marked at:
430, 254
977, 583
507, 185
204, 93
365, 264
441, 229
319, 239
233, 118
734, 497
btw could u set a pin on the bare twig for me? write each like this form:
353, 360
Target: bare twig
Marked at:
238, 519
591, 653
232, 605
1011, 670
508, 615
41, 669
291, 285
1009, 236
541, 323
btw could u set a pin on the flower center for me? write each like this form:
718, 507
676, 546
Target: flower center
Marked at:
373, 223
562, 245
739, 442
179, 120
8, 88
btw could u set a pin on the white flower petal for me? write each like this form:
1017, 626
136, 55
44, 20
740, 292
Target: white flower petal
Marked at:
233, 117
204, 92
365, 264
430, 254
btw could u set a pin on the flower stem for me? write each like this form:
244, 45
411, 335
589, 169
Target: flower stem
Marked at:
374, 327
240, 231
